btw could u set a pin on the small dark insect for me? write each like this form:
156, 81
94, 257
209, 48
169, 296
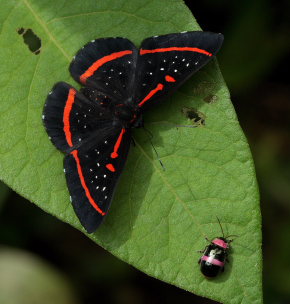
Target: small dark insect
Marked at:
93, 126
215, 255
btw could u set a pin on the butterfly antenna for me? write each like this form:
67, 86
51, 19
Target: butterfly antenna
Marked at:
221, 227
150, 139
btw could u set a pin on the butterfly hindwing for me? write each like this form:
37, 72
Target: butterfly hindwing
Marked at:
107, 64
92, 172
165, 62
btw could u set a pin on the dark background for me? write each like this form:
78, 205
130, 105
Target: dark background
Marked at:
255, 63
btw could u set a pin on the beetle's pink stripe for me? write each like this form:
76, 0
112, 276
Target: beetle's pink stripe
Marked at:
212, 261
220, 243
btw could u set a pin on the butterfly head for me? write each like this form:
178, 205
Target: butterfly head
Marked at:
128, 115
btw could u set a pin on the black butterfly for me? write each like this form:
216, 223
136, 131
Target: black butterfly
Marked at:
93, 125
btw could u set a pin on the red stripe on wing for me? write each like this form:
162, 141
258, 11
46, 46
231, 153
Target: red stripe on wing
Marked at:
97, 64
84, 185
189, 49
169, 78
66, 116
159, 87
114, 154
110, 167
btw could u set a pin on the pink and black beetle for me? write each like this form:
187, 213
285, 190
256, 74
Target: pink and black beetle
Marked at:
215, 255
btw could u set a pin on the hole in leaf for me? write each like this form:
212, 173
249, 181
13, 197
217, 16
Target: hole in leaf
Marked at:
210, 98
196, 117
30, 39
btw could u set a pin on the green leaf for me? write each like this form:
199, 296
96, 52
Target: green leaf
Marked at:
159, 218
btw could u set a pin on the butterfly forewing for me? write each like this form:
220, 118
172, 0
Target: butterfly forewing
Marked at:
165, 62
107, 64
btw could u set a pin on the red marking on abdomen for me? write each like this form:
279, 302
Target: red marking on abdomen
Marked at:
212, 261
220, 243
97, 64
66, 115
114, 154
159, 87
83, 182
110, 167
169, 78
189, 49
